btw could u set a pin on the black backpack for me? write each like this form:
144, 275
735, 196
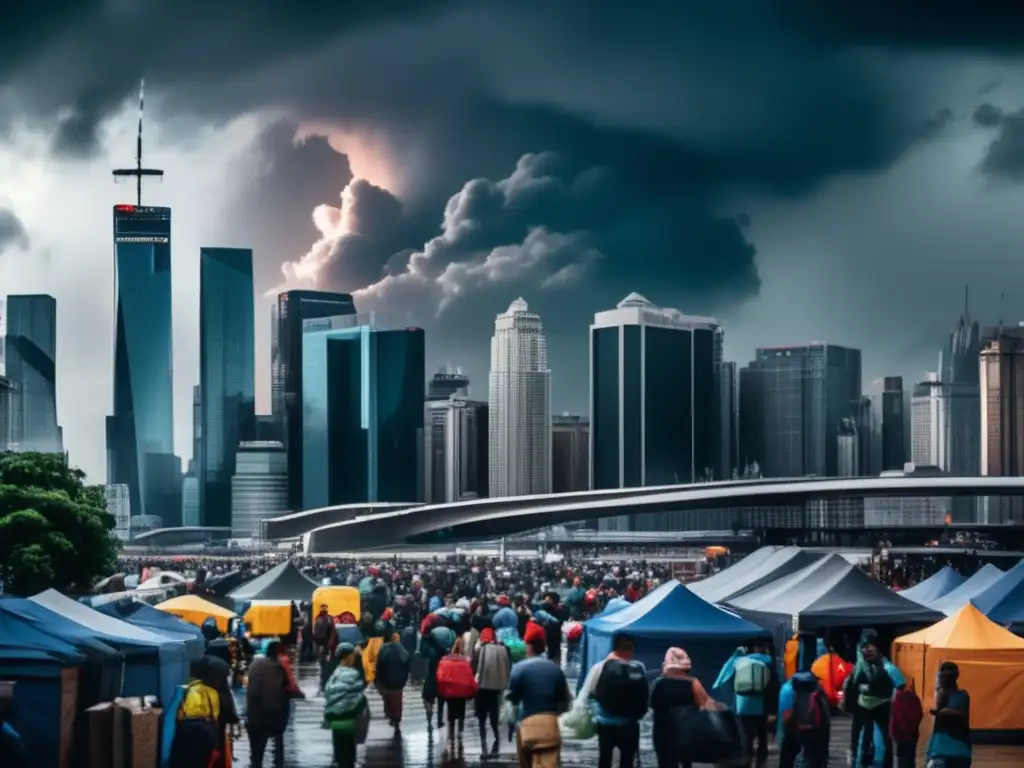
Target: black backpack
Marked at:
622, 689
322, 629
810, 710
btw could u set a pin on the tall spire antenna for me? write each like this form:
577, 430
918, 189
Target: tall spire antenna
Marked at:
138, 172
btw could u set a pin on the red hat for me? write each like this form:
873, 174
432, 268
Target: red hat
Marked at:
487, 635
533, 631
503, 600
386, 615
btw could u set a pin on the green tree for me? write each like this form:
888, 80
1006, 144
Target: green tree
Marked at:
54, 529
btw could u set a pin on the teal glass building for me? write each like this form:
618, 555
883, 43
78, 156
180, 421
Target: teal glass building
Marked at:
362, 412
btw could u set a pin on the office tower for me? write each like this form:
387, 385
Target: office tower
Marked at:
652, 400
259, 488
893, 425
293, 309
792, 401
197, 429
140, 432
227, 378
362, 411
119, 508
519, 405
960, 357
570, 453
929, 423
848, 448
3, 332
31, 351
445, 383
726, 410
6, 396
455, 450
190, 508
266, 428
1002, 404
867, 453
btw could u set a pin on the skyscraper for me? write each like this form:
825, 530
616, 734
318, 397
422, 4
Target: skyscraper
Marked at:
929, 423
6, 392
362, 411
894, 425
292, 310
519, 405
959, 374
140, 433
848, 448
445, 383
226, 373
726, 411
652, 396
1001, 380
259, 487
570, 453
3, 332
455, 450
31, 352
792, 402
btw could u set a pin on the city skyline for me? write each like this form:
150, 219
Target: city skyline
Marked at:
793, 181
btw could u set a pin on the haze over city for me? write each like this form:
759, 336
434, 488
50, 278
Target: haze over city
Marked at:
829, 178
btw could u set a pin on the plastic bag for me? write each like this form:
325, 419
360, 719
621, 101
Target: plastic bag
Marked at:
578, 722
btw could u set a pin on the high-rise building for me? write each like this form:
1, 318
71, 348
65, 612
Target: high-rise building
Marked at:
362, 411
227, 378
792, 401
519, 405
726, 421
266, 429
119, 508
292, 310
3, 332
190, 509
848, 456
894, 425
259, 488
960, 357
445, 383
570, 453
455, 450
652, 414
31, 353
929, 423
869, 452
140, 433
6, 393
197, 429
1002, 404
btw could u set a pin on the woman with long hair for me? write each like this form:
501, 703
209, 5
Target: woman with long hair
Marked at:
676, 693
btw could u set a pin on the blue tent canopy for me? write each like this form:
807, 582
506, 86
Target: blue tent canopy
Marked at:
154, 664
671, 616
34, 661
956, 599
161, 622
935, 586
1003, 601
615, 605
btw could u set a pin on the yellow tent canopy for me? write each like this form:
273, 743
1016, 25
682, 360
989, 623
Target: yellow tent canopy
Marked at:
991, 662
267, 618
195, 610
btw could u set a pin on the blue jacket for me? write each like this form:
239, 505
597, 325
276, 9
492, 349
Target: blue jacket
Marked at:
755, 703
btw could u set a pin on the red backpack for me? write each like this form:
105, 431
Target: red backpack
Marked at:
455, 678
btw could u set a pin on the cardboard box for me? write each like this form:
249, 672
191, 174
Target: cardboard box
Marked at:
100, 730
136, 732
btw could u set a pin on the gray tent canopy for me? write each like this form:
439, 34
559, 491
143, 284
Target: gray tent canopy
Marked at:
829, 593
282, 582
746, 576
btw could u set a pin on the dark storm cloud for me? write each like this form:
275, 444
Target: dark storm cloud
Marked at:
12, 231
1004, 157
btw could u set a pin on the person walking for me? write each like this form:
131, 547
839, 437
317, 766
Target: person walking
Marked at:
456, 685
268, 706
346, 710
538, 688
755, 682
392, 674
951, 734
619, 699
492, 665
676, 693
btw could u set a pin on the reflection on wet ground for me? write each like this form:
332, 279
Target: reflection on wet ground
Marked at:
309, 746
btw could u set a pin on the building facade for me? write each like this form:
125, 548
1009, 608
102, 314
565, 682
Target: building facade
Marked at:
286, 370
848, 448
445, 383
6, 397
894, 424
259, 487
30, 352
792, 402
140, 432
190, 507
119, 508
227, 377
726, 456
362, 411
519, 405
570, 453
929, 423
455, 450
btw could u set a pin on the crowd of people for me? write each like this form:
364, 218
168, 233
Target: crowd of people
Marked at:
493, 635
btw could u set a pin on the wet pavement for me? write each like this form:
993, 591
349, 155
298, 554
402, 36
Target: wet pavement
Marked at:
307, 745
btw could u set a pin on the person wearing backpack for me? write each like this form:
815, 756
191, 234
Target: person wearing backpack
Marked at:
804, 722
456, 684
755, 683
905, 725
492, 664
196, 735
619, 698
871, 686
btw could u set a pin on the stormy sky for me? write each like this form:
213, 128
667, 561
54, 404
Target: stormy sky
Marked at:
801, 170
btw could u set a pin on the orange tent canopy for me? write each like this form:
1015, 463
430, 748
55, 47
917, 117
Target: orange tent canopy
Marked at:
991, 662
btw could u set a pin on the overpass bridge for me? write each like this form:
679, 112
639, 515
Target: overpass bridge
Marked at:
376, 527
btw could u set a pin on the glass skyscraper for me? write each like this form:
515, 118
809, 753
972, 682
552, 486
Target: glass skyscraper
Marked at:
140, 433
292, 310
362, 412
226, 373
31, 352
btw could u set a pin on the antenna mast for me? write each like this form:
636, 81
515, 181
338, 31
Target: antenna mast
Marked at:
138, 172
